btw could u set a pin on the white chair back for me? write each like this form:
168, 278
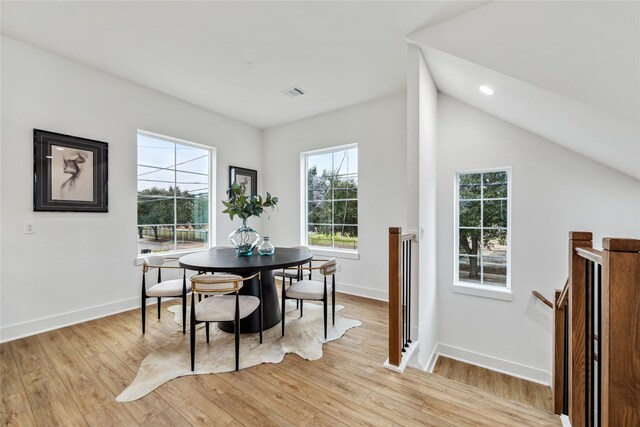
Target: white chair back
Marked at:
328, 268
153, 261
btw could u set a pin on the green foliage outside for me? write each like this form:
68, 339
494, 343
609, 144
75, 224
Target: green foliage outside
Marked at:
491, 214
156, 206
332, 199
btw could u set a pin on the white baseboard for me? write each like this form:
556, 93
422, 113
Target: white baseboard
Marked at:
406, 357
44, 324
489, 362
431, 363
361, 291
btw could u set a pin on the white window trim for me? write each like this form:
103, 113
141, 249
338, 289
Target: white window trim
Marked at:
470, 288
212, 192
320, 250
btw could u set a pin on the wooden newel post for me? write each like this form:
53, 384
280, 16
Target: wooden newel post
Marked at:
395, 299
577, 316
558, 353
620, 358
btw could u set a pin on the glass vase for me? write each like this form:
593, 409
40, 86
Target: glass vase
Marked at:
266, 248
244, 239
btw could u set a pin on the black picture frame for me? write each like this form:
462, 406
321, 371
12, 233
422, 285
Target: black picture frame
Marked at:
249, 174
70, 173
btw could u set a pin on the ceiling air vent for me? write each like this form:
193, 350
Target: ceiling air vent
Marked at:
293, 91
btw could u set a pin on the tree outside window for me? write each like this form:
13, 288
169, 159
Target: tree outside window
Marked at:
482, 233
332, 198
173, 195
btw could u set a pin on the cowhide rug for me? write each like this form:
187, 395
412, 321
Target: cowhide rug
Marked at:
303, 336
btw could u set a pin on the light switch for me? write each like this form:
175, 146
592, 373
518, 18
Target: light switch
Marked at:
29, 228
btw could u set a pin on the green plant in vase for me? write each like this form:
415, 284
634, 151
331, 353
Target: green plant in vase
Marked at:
239, 204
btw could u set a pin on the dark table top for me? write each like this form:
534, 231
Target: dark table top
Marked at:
225, 259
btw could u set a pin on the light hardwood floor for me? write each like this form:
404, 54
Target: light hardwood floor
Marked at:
71, 376
527, 392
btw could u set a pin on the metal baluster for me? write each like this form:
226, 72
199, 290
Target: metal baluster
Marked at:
587, 338
403, 296
599, 311
409, 294
565, 383
592, 358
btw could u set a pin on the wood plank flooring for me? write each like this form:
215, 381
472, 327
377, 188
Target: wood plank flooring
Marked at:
527, 392
70, 377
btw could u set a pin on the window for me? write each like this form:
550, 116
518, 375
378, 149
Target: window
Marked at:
331, 198
483, 228
173, 194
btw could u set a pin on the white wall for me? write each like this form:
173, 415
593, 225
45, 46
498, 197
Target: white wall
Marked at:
379, 128
80, 265
422, 97
554, 191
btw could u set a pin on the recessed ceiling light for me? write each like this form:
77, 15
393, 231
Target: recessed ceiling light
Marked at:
486, 90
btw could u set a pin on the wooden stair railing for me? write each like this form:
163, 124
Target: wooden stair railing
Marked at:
596, 364
542, 298
400, 266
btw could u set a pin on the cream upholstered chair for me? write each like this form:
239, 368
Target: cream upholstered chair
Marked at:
307, 289
295, 274
163, 289
222, 303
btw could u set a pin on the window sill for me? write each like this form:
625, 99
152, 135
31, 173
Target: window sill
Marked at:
176, 254
483, 291
335, 253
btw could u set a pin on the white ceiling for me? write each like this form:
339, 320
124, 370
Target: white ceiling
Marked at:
340, 53
567, 71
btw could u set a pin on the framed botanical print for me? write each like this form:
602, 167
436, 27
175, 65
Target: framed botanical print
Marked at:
70, 173
247, 178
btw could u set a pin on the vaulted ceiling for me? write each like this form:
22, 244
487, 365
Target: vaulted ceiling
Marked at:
567, 71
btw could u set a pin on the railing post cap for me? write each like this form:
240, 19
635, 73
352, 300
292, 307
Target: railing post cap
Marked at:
621, 245
580, 235
395, 230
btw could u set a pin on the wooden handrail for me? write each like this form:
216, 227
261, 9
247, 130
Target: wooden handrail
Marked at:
603, 285
542, 298
591, 254
563, 296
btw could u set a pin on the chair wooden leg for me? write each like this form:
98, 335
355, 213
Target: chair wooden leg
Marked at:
297, 304
159, 307
301, 308
206, 327
192, 333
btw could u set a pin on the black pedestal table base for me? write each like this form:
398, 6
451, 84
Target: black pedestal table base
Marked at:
270, 301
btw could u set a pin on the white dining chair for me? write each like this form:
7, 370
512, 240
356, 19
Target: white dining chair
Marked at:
307, 289
222, 303
163, 289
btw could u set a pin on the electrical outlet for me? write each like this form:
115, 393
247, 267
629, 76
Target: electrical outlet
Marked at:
338, 268
29, 228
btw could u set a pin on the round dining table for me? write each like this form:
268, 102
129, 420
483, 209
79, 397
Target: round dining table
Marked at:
225, 260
